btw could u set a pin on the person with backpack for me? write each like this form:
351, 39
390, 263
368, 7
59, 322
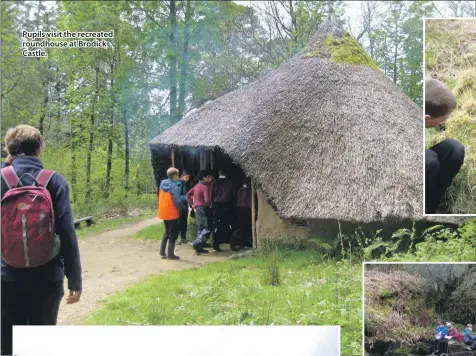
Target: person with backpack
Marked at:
38, 238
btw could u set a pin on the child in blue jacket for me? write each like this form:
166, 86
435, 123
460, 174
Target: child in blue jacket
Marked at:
469, 338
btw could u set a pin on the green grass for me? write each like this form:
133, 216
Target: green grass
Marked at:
105, 225
312, 291
153, 232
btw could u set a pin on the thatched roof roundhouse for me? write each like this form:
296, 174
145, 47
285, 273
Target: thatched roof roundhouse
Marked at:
323, 137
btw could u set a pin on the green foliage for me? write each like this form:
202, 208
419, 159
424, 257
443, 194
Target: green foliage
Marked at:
436, 243
396, 44
441, 245
230, 293
385, 293
347, 50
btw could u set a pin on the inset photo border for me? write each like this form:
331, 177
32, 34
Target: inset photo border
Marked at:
419, 308
449, 125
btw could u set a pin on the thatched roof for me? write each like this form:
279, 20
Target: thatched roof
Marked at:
323, 138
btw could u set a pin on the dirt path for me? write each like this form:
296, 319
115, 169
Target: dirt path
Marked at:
112, 261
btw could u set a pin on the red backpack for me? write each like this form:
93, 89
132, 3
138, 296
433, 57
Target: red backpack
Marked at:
28, 221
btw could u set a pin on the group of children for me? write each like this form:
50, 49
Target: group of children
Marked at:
445, 333
222, 214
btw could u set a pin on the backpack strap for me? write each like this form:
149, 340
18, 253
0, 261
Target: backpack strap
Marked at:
10, 177
44, 177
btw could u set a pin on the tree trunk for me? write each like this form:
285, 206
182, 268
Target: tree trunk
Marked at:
184, 70
73, 163
293, 22
91, 136
44, 108
44, 82
126, 142
138, 186
73, 143
173, 62
110, 143
395, 54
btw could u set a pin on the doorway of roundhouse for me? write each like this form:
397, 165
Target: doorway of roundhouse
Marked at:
195, 159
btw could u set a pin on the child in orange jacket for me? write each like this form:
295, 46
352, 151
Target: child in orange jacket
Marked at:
169, 205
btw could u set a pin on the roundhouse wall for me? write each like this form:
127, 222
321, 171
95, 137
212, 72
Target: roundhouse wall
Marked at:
270, 225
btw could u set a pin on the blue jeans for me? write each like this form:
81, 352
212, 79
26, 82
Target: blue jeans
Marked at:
203, 230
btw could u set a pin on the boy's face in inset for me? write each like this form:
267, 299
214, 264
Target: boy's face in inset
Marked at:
175, 177
433, 122
186, 177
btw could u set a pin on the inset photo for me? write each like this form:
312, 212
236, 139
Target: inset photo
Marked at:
450, 116
419, 309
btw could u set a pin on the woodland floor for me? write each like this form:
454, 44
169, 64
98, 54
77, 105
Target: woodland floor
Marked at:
112, 261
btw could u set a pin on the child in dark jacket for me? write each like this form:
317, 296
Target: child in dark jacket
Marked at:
169, 205
222, 197
184, 187
199, 198
443, 161
243, 234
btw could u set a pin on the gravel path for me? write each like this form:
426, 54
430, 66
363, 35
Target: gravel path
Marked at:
112, 261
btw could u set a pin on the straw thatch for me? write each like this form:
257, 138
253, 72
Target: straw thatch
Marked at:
323, 140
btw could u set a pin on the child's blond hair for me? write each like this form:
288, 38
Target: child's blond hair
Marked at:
23, 139
172, 172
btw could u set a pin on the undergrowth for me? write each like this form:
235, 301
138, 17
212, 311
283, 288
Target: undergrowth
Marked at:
311, 291
393, 301
437, 243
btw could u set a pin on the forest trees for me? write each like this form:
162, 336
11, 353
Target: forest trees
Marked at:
98, 108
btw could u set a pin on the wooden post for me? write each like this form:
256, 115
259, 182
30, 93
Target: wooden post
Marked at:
253, 215
173, 157
203, 159
181, 159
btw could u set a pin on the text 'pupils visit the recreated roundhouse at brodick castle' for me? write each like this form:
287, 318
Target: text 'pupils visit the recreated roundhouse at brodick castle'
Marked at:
328, 141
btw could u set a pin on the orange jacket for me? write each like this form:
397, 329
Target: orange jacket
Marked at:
167, 209
168, 203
